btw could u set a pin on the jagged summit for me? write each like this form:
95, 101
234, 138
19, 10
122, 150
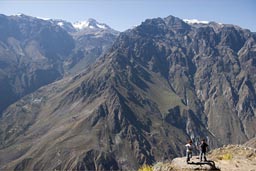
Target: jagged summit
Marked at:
18, 14
90, 24
21, 15
215, 25
195, 21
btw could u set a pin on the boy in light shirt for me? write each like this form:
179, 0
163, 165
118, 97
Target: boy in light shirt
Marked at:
189, 148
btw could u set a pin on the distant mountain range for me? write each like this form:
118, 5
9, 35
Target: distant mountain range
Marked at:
159, 84
35, 52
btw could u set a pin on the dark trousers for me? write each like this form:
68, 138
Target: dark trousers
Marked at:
203, 154
188, 155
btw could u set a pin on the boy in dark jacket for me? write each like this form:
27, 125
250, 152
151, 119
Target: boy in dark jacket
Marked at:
203, 149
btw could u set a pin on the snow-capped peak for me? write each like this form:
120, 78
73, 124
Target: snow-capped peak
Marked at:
90, 23
102, 26
18, 14
60, 23
195, 21
44, 18
81, 25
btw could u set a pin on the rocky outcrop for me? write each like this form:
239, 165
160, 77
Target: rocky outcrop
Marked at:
230, 157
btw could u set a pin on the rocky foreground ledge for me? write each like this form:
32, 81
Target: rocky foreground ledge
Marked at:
227, 158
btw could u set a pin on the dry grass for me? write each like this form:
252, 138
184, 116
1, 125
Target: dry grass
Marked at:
160, 166
233, 152
227, 156
146, 168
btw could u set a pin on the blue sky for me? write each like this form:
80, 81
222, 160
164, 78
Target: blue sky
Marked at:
124, 14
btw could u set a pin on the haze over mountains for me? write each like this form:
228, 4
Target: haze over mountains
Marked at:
156, 86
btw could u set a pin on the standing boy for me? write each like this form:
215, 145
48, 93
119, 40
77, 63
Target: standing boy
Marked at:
203, 148
189, 150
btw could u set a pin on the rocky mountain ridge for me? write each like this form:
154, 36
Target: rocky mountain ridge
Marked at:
159, 85
35, 52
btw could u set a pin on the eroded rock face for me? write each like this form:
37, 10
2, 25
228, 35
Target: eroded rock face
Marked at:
95, 161
160, 84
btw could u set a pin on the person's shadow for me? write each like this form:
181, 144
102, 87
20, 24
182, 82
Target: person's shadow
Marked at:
207, 162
